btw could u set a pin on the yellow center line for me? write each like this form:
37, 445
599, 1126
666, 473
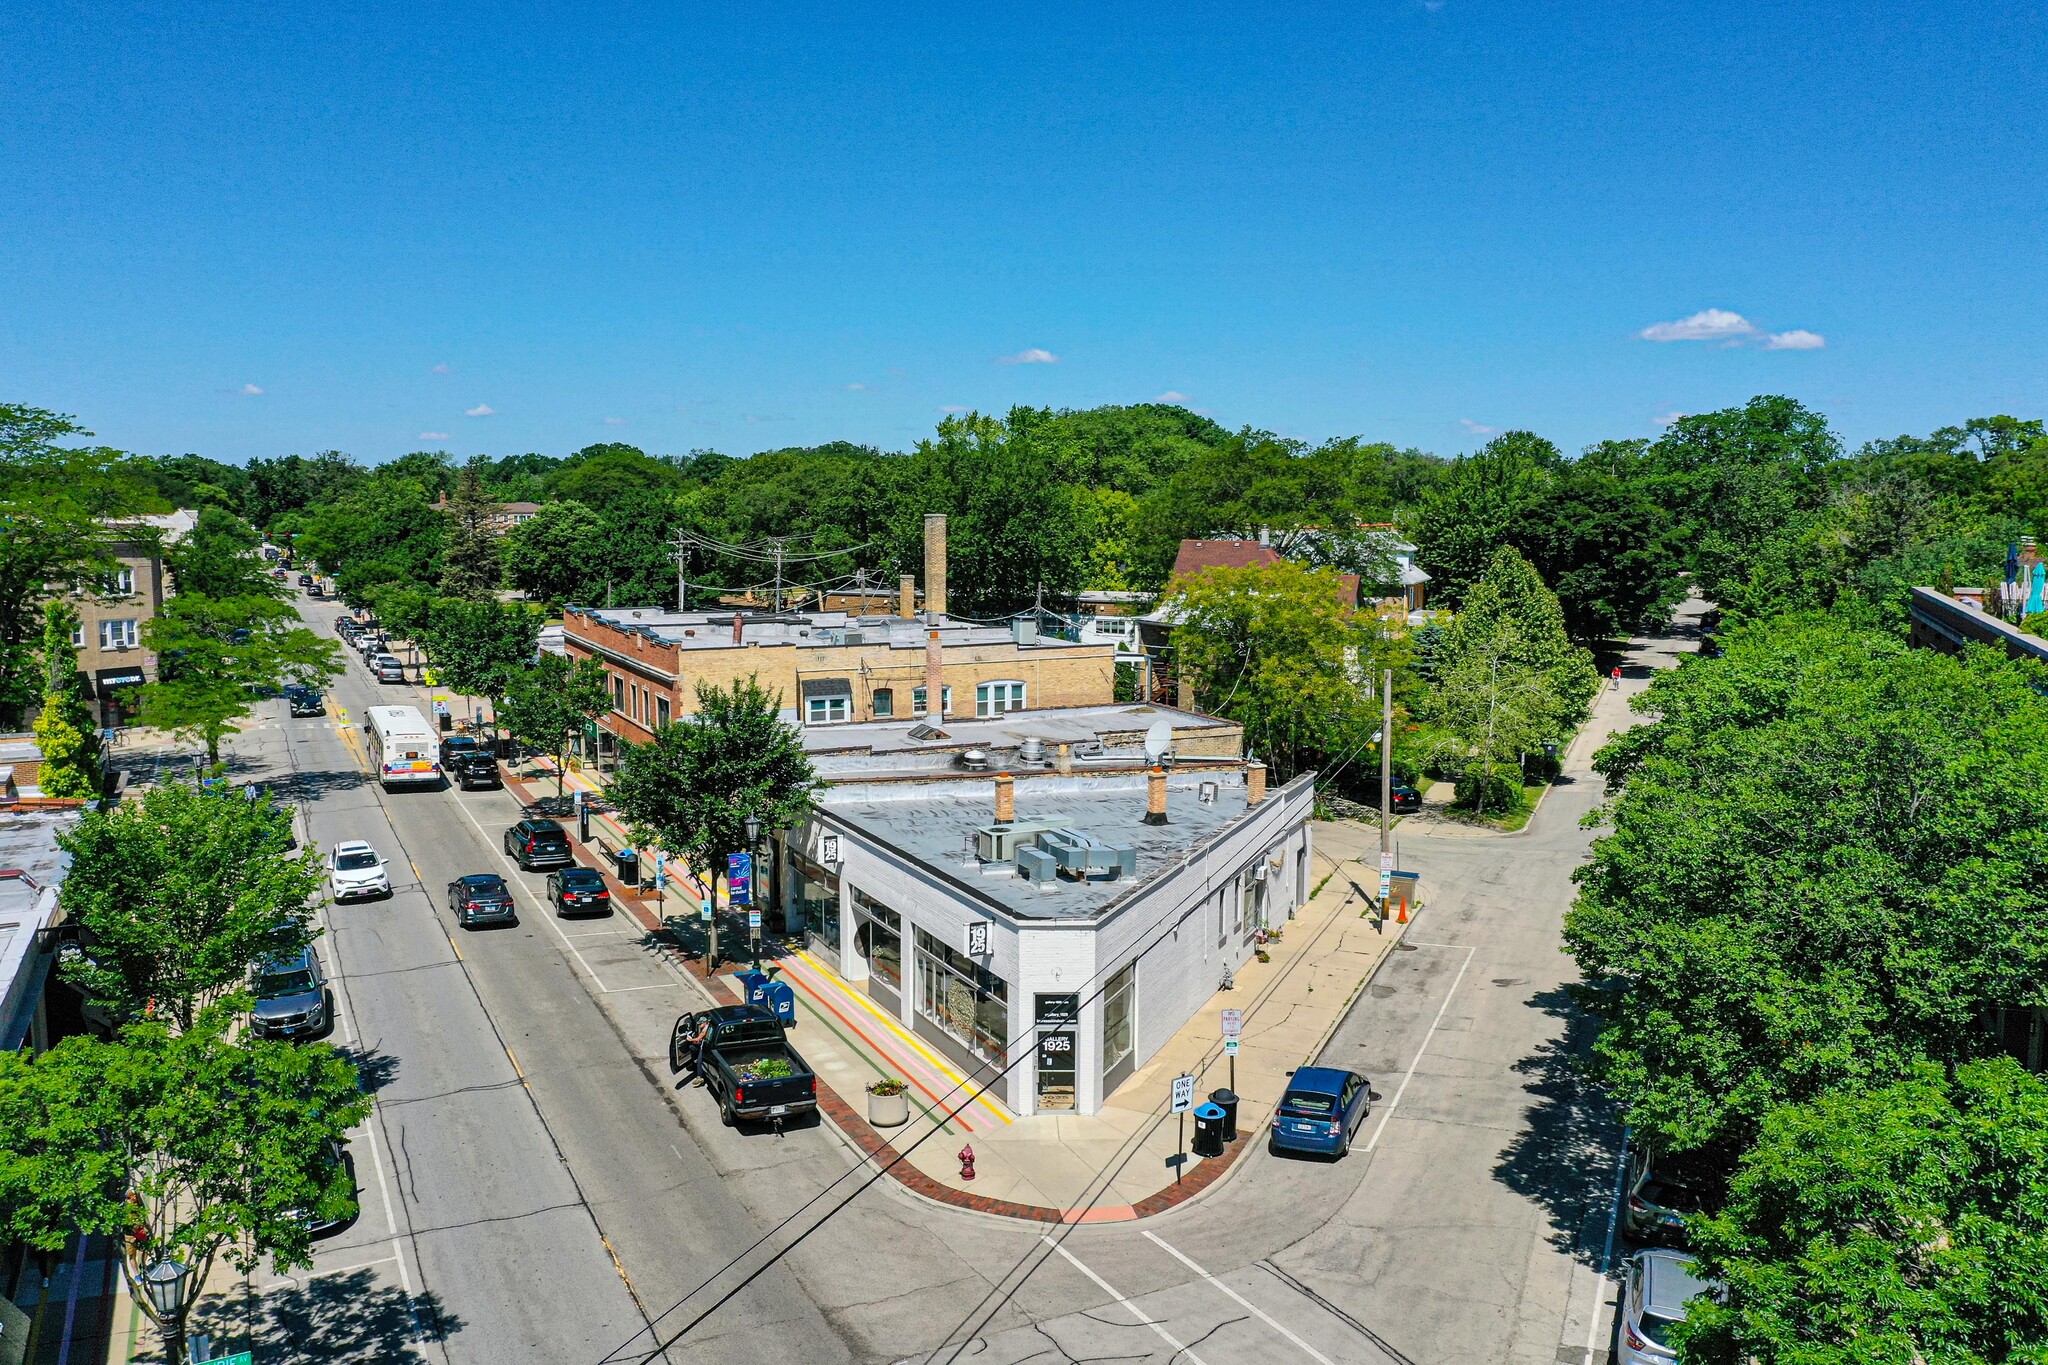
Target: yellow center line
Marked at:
916, 1044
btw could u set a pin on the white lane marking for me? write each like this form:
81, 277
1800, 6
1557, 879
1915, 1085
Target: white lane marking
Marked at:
1418, 943
1261, 1313
539, 897
657, 986
1387, 1117
1106, 1287
1600, 1286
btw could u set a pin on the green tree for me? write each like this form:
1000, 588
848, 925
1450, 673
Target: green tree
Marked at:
1822, 867
1476, 507
64, 729
58, 507
291, 484
383, 529
181, 1146
1903, 1224
477, 648
690, 789
559, 554
216, 656
552, 701
1604, 547
469, 554
182, 892
1272, 648
219, 559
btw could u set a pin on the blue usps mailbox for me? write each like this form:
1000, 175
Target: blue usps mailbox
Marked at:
774, 996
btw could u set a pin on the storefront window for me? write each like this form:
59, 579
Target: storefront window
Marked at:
814, 894
967, 1001
1119, 999
881, 932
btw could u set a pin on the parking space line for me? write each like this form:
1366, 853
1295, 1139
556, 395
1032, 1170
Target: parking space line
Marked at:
1395, 1103
294, 1282
1136, 1312
1251, 1307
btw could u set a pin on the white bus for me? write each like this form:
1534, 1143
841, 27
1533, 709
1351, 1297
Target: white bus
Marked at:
403, 746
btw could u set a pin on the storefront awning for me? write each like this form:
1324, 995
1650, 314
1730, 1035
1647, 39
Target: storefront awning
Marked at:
108, 680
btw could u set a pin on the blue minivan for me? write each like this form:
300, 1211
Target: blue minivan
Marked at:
1321, 1112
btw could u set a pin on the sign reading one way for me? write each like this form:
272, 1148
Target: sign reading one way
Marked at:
1183, 1094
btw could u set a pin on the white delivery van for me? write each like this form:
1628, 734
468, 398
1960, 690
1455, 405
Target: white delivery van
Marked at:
403, 747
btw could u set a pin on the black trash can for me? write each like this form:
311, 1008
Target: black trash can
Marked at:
1208, 1130
506, 748
628, 865
447, 722
1226, 1100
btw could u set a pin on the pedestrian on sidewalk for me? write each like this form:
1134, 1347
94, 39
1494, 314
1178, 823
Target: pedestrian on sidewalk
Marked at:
1616, 675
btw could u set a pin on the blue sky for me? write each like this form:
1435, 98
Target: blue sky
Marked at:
529, 227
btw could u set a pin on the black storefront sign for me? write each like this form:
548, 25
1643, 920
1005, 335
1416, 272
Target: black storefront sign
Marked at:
109, 680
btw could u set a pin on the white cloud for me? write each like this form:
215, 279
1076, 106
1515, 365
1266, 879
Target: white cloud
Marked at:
1670, 419
1712, 324
1473, 428
442, 368
615, 421
955, 408
433, 436
1798, 339
1171, 396
1033, 356
480, 410
854, 388
251, 390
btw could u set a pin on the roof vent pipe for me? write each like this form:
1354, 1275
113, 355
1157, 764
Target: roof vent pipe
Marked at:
1155, 797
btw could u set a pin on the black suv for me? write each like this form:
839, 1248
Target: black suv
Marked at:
305, 701
481, 898
471, 769
456, 745
579, 891
536, 844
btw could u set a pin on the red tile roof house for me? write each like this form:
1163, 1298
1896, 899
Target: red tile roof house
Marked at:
1197, 555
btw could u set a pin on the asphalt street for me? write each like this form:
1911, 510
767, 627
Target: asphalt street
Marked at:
535, 1189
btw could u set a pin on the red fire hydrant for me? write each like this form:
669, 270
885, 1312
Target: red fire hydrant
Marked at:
967, 1162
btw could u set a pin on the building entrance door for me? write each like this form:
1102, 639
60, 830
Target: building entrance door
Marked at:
1055, 1017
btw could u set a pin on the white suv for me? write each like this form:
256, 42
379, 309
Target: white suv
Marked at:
354, 869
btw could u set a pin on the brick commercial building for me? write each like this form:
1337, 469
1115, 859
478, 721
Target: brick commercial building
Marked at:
110, 621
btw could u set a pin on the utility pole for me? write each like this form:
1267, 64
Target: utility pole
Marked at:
778, 575
1386, 788
682, 558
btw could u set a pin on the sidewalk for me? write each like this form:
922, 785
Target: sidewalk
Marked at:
1105, 1167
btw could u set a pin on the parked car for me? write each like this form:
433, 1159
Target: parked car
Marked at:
481, 898
1653, 1302
355, 869
579, 891
1405, 797
1662, 1190
473, 769
305, 701
456, 745
747, 1064
387, 668
536, 844
318, 1224
292, 999
279, 574
1321, 1111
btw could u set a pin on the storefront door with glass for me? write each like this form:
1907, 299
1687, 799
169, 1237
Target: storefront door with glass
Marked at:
814, 906
1055, 1017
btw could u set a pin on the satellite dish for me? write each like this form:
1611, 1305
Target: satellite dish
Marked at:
1158, 739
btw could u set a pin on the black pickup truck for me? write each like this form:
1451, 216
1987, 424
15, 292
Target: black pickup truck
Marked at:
748, 1065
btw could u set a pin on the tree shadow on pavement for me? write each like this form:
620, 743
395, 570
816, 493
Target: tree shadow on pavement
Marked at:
1563, 1156
345, 1317
310, 785
375, 1070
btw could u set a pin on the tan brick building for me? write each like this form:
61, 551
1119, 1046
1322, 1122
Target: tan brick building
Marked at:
831, 668
109, 638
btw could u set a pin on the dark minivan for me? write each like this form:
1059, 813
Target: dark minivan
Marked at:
537, 844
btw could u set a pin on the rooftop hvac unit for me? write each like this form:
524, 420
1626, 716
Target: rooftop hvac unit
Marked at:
1001, 843
853, 637
1024, 632
1032, 750
1085, 858
1036, 865
974, 760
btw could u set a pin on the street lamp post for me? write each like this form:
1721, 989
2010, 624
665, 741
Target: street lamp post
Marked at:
164, 1285
753, 889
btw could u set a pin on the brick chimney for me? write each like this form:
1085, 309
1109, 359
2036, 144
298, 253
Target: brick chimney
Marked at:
1155, 797
1066, 762
1185, 698
906, 597
935, 564
1006, 799
934, 678
1254, 782
739, 629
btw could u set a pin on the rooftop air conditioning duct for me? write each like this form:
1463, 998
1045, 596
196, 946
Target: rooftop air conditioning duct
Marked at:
975, 760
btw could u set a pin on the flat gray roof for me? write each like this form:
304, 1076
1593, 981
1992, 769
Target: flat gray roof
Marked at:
811, 629
1054, 725
935, 826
